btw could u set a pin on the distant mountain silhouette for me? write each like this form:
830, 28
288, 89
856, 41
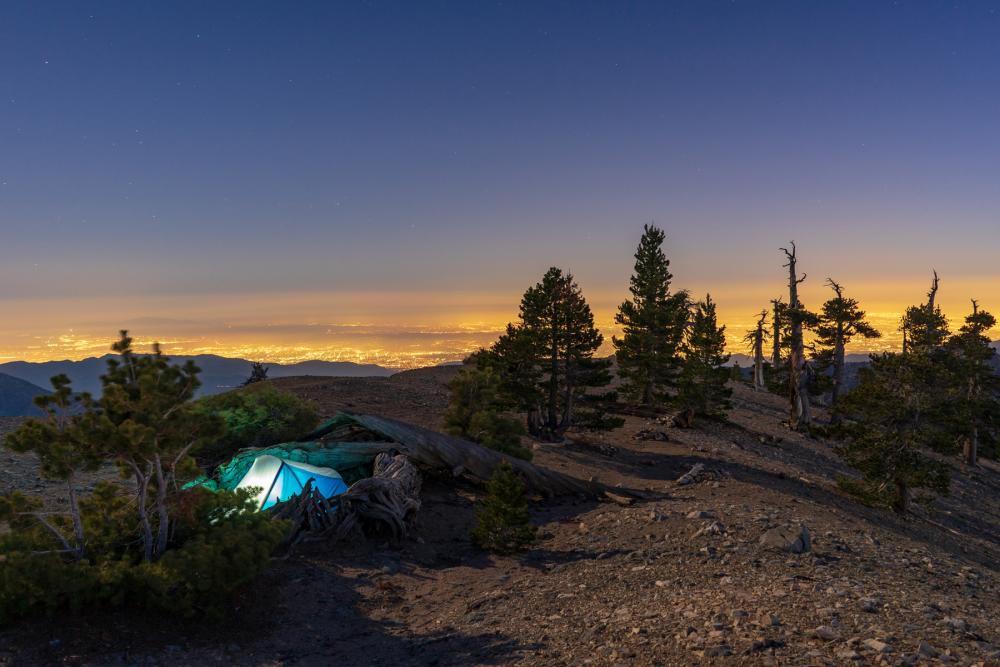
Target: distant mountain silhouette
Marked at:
17, 397
218, 374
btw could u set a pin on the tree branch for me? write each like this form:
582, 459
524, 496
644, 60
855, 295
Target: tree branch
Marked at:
52, 529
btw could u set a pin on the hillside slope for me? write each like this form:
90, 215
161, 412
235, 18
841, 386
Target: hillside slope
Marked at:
17, 397
677, 581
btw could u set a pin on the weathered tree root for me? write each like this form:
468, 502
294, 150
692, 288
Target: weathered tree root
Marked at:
387, 501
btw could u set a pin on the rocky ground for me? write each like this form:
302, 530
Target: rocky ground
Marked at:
714, 572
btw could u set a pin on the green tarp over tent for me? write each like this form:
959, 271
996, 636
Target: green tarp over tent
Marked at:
352, 460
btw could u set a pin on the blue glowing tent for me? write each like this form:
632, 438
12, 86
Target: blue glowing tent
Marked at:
279, 480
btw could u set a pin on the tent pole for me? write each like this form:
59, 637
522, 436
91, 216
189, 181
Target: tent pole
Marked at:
271, 488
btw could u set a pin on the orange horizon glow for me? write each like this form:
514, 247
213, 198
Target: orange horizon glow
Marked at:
423, 329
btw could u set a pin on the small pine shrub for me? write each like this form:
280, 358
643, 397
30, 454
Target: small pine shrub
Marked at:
257, 416
860, 491
221, 546
503, 523
476, 413
146, 543
500, 433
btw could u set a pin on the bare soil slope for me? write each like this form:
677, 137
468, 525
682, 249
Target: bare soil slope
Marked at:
678, 581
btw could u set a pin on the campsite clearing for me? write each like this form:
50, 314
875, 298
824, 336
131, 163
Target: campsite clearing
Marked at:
682, 579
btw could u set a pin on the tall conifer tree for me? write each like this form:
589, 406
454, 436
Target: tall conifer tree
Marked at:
546, 361
652, 325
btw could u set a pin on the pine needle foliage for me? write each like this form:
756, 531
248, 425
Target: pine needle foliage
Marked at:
143, 541
704, 377
546, 360
896, 415
477, 411
839, 321
652, 321
913, 410
503, 521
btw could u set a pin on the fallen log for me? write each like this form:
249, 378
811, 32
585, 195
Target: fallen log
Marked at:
437, 451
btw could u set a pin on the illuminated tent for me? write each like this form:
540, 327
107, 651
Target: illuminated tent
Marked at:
279, 479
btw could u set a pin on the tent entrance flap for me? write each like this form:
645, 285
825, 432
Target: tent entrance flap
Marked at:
279, 480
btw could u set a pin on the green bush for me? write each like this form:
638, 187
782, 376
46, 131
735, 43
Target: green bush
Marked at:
503, 523
476, 413
221, 545
258, 415
146, 542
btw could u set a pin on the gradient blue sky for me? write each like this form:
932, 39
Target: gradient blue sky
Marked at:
252, 177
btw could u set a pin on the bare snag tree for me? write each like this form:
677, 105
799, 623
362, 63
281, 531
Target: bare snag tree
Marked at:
798, 376
755, 339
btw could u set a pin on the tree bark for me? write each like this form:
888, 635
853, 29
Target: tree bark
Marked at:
799, 414
758, 354
162, 512
971, 449
74, 509
553, 382
142, 490
535, 422
838, 372
567, 416
775, 335
899, 503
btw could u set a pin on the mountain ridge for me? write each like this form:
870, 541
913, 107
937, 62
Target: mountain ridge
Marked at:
218, 373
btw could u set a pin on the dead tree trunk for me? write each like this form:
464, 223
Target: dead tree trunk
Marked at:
838, 353
776, 321
799, 413
758, 353
970, 451
932, 294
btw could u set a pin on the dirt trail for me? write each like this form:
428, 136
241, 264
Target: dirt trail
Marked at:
677, 581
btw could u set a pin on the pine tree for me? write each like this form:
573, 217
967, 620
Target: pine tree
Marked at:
905, 406
978, 385
503, 522
151, 426
64, 446
896, 414
546, 361
704, 376
838, 322
652, 324
925, 327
